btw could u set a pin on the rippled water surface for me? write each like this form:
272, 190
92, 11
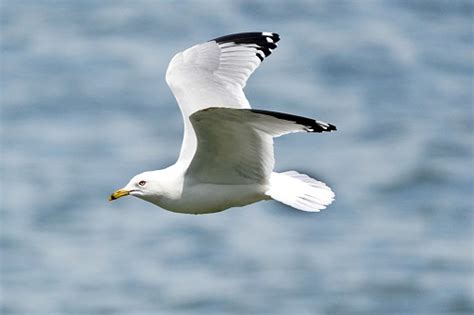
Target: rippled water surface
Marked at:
85, 106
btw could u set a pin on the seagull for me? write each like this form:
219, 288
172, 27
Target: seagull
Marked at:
226, 158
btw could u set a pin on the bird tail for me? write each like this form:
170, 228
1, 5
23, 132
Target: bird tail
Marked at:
300, 191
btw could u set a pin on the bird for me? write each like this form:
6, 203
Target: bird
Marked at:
227, 158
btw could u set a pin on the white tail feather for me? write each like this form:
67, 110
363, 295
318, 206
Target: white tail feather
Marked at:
300, 191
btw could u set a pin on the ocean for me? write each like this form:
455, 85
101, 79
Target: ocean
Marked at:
85, 106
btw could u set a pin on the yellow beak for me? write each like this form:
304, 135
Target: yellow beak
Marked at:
119, 193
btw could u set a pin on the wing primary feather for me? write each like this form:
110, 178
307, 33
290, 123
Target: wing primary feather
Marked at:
263, 42
249, 37
311, 125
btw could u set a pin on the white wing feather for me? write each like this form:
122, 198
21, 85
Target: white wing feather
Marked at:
235, 146
213, 74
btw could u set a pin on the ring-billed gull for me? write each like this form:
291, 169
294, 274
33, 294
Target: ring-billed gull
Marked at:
226, 158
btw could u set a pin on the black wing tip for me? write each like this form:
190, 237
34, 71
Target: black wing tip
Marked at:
331, 127
319, 126
248, 36
311, 125
266, 41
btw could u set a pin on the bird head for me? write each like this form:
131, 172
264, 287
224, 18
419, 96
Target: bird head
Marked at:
144, 186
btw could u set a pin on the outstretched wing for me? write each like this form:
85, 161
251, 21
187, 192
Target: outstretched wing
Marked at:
235, 146
213, 74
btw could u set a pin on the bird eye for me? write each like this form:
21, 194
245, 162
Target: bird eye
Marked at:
142, 183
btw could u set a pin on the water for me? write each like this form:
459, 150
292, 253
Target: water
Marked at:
84, 106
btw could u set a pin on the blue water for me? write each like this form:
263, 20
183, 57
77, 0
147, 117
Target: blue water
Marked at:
85, 106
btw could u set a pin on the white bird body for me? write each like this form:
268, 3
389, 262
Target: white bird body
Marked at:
182, 194
226, 158
195, 197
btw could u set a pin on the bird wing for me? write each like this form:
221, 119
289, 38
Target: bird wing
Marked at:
235, 146
213, 74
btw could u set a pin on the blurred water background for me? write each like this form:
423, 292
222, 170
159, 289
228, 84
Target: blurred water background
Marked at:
85, 106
